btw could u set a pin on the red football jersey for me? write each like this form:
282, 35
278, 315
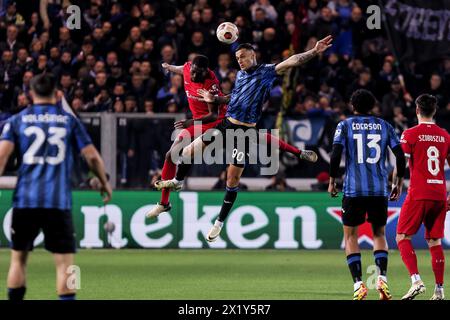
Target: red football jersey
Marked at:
200, 108
428, 147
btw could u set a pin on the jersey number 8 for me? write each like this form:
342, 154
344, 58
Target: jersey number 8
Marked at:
433, 160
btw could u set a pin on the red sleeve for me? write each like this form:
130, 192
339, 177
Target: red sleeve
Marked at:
213, 85
186, 70
406, 141
448, 148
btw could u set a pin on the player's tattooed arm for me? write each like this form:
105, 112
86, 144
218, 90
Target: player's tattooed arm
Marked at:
6, 149
302, 58
208, 97
172, 68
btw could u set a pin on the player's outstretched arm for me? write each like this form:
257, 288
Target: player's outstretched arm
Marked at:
6, 149
95, 163
208, 97
301, 58
172, 68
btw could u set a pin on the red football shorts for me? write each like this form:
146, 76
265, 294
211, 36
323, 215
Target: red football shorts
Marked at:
195, 131
429, 212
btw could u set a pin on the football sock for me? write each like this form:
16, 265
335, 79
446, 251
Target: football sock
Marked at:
415, 277
356, 285
218, 223
228, 201
282, 144
408, 256
381, 260
168, 172
69, 296
16, 294
438, 263
354, 264
182, 171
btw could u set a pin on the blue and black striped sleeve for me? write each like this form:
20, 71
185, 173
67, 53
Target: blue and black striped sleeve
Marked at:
340, 135
81, 136
9, 131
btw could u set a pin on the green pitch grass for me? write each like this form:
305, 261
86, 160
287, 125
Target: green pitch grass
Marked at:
213, 274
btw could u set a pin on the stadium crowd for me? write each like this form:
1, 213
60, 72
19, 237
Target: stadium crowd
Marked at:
113, 62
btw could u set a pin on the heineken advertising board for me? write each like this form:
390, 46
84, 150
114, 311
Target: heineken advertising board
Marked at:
259, 220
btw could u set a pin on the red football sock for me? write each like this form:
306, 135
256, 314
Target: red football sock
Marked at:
437, 263
408, 256
168, 172
282, 144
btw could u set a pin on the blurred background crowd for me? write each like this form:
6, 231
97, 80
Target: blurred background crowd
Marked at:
113, 64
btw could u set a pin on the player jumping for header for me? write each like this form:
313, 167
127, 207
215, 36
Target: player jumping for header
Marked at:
427, 146
365, 140
251, 90
205, 115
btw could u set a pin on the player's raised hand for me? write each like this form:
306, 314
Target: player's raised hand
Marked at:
106, 192
206, 96
332, 189
165, 65
324, 44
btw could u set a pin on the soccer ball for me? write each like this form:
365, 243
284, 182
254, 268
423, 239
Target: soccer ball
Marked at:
227, 32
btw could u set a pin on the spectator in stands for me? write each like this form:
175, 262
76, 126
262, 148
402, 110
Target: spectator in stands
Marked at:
364, 81
223, 66
279, 183
11, 42
263, 6
437, 89
393, 99
172, 38
174, 91
226, 86
11, 16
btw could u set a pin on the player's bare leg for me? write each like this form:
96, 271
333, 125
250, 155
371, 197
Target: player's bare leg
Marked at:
65, 285
307, 155
410, 260
354, 262
438, 266
380, 252
196, 147
233, 177
16, 281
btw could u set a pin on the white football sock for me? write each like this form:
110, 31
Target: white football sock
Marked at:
218, 223
356, 285
415, 278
